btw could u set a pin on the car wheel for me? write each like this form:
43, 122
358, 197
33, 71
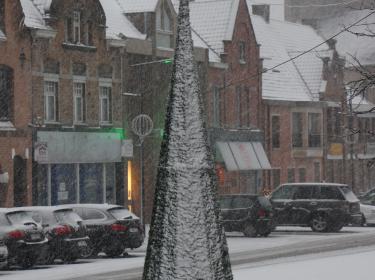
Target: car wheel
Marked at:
250, 231
319, 222
363, 221
26, 262
114, 252
336, 227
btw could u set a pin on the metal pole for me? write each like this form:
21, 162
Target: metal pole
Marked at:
142, 188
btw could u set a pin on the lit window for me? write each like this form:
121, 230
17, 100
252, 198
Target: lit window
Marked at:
105, 105
79, 102
50, 101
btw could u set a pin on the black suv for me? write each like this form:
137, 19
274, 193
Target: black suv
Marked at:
64, 229
111, 228
250, 214
325, 207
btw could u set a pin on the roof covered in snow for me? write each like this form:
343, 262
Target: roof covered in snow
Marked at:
137, 6
349, 44
214, 21
118, 25
300, 78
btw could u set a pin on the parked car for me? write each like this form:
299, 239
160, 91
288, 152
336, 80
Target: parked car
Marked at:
66, 234
3, 254
111, 228
325, 207
250, 214
369, 193
23, 237
368, 208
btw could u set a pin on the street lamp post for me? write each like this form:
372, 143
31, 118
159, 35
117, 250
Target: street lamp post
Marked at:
142, 126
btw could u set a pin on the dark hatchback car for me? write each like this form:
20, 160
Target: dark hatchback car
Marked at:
325, 207
23, 237
66, 234
111, 228
250, 214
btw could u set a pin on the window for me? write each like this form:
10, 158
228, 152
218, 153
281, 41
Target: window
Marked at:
50, 101
2, 13
317, 171
314, 130
291, 175
276, 177
77, 31
330, 193
92, 214
164, 33
303, 192
216, 106
285, 192
242, 52
297, 130
302, 174
238, 106
275, 126
105, 105
79, 102
6, 93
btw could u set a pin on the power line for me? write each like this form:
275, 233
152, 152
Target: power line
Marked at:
299, 55
309, 5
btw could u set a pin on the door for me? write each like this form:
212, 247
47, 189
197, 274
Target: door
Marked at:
303, 204
282, 199
20, 181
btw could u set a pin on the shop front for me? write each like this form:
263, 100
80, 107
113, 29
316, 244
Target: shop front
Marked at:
78, 167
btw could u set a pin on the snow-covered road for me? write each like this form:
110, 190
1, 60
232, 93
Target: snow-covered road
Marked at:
253, 253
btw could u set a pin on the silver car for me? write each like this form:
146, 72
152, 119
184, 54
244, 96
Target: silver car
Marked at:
3, 255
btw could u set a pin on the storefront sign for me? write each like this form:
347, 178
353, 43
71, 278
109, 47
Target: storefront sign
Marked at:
127, 149
41, 152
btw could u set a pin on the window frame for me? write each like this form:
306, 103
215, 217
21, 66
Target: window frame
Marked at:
275, 134
102, 86
51, 79
297, 142
82, 93
161, 28
242, 52
314, 138
8, 93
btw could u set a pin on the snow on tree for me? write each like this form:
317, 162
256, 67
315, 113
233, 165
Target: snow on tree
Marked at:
187, 240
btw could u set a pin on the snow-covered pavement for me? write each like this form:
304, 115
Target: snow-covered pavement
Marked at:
285, 237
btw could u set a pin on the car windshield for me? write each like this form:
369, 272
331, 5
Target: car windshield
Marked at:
67, 216
122, 213
20, 218
349, 195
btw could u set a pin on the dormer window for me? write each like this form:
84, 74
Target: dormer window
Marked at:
164, 30
78, 31
242, 52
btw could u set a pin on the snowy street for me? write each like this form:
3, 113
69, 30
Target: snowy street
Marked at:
322, 255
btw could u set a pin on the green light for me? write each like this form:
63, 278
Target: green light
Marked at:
119, 133
168, 61
161, 133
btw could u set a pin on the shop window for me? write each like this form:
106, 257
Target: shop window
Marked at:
314, 128
91, 183
297, 130
79, 102
164, 32
275, 131
50, 101
63, 184
110, 175
105, 105
6, 93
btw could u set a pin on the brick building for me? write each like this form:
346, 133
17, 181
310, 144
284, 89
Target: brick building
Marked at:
294, 111
233, 100
15, 133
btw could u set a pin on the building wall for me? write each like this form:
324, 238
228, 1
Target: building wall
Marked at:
17, 142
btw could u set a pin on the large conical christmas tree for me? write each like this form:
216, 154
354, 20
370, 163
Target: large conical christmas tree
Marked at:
186, 241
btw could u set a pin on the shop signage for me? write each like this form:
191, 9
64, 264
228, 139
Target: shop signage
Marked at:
335, 149
41, 152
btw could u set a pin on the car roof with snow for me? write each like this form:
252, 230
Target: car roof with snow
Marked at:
103, 206
315, 184
44, 208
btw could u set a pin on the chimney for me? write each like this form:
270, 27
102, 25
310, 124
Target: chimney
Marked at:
262, 10
332, 44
